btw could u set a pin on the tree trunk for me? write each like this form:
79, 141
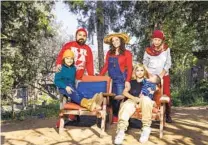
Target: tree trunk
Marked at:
100, 33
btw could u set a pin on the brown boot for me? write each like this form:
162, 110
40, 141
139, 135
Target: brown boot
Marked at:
88, 103
94, 103
98, 100
168, 111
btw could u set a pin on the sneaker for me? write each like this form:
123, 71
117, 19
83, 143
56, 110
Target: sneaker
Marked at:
145, 134
168, 119
115, 119
119, 137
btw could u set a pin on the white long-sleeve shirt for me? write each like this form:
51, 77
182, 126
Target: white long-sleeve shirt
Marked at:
156, 64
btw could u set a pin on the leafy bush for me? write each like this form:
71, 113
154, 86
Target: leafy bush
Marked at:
49, 110
191, 97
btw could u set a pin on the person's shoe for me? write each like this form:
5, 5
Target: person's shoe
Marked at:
119, 137
98, 100
71, 117
168, 119
88, 103
115, 119
145, 134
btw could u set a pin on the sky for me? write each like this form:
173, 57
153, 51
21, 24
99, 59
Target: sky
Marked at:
63, 16
70, 23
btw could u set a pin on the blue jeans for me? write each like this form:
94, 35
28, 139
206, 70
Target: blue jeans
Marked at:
118, 78
118, 90
75, 96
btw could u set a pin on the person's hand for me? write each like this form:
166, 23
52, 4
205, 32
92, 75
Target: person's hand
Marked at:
69, 89
97, 74
127, 85
161, 76
161, 81
119, 97
136, 99
58, 68
150, 91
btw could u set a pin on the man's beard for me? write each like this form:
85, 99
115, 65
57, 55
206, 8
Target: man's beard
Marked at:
81, 41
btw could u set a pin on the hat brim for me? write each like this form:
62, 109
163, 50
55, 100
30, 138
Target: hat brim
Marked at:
108, 38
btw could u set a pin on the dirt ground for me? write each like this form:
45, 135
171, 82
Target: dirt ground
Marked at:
190, 127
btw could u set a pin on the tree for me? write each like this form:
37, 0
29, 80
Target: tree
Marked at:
24, 24
185, 26
99, 17
50, 48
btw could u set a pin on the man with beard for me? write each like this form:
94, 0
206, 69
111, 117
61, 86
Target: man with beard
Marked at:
83, 58
83, 54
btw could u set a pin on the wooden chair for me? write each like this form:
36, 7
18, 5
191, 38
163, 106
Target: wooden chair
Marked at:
158, 113
74, 109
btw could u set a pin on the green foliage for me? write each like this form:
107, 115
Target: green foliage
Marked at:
193, 96
7, 81
45, 98
50, 110
99, 17
185, 30
24, 24
182, 22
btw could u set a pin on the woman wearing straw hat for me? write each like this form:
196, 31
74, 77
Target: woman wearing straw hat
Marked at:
119, 66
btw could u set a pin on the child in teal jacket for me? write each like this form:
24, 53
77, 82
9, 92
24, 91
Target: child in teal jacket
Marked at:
65, 81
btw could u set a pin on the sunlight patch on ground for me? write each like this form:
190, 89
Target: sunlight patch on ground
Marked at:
11, 141
178, 139
187, 129
205, 132
185, 122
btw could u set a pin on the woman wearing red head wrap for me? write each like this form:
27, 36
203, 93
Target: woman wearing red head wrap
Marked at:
157, 59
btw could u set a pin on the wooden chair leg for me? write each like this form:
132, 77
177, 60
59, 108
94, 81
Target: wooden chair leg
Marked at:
103, 116
162, 119
164, 115
110, 116
63, 101
61, 127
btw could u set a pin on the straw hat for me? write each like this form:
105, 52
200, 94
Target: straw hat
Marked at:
108, 38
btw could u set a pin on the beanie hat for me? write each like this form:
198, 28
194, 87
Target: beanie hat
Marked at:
158, 34
81, 29
68, 53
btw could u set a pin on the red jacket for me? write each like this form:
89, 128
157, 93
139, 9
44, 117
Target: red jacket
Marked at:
124, 61
83, 58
